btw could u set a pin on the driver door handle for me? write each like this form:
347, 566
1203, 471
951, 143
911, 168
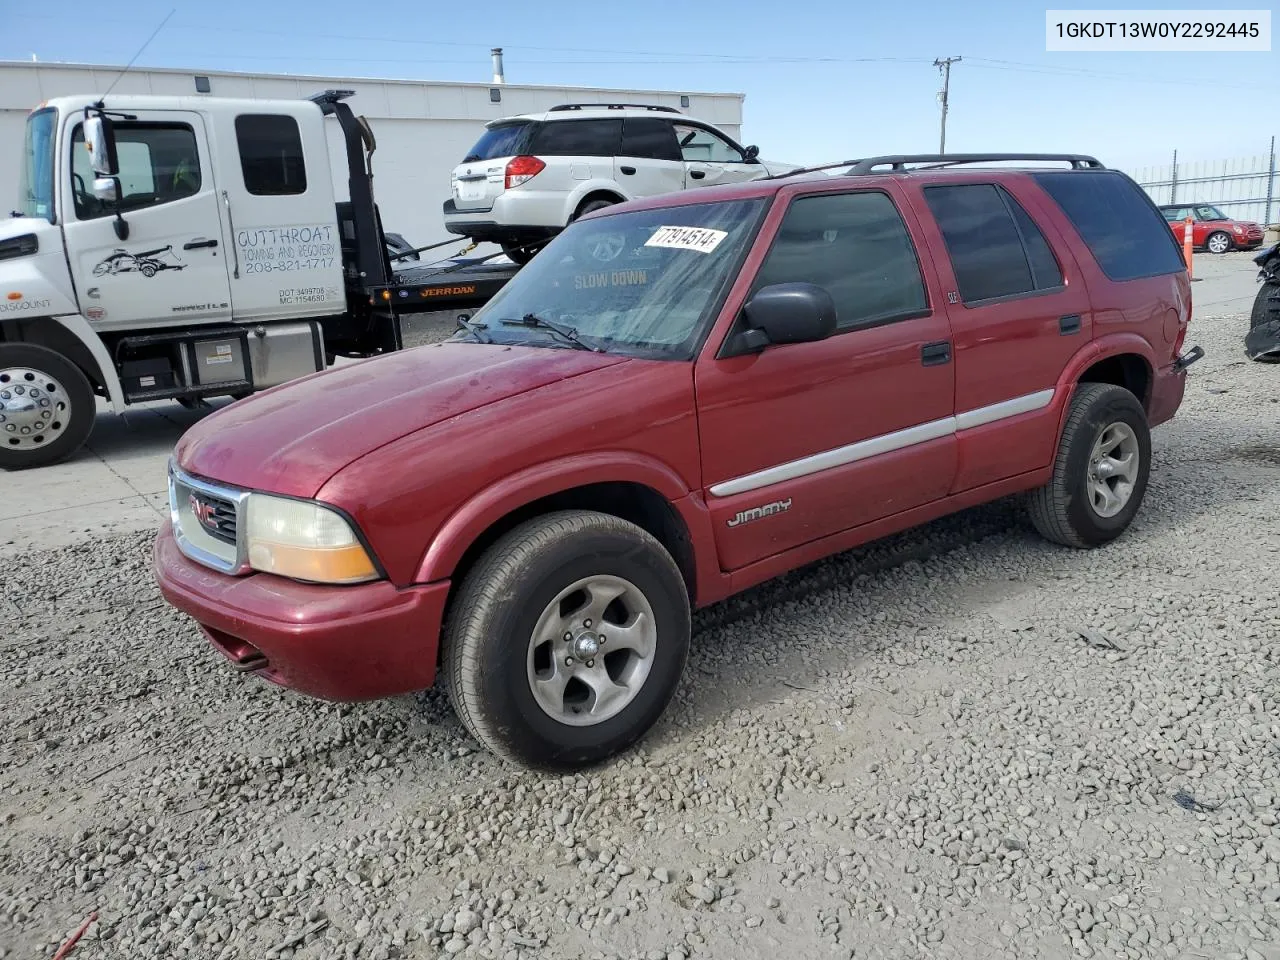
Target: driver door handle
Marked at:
697, 174
199, 244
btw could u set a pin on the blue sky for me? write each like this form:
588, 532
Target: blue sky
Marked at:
824, 80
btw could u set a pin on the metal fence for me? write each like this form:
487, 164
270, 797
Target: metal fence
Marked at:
1245, 188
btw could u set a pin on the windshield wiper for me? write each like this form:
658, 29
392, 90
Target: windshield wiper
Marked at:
563, 330
475, 329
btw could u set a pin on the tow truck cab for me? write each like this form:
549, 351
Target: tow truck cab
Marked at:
180, 248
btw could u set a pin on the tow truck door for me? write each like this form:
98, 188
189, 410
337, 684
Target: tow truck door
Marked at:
277, 192
171, 266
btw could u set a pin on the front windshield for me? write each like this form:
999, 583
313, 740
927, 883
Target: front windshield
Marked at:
35, 185
1209, 212
642, 284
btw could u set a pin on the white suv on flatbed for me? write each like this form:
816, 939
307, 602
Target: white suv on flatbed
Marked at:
528, 177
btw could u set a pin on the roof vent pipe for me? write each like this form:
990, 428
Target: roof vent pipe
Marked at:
498, 76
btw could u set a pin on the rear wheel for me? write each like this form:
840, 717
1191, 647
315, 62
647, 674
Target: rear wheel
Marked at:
1100, 474
46, 406
567, 640
520, 253
1218, 242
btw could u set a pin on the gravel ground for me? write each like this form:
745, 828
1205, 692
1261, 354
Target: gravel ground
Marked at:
961, 742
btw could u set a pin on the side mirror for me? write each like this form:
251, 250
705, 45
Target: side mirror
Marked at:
784, 313
107, 189
100, 141
752, 153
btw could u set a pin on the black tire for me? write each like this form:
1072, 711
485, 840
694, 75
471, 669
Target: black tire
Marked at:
83, 408
148, 270
491, 622
519, 253
1208, 243
1266, 305
599, 203
1062, 510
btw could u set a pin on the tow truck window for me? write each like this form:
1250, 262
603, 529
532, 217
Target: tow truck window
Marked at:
159, 163
35, 190
271, 155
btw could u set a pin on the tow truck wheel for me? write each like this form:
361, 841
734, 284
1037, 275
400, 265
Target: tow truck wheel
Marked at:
46, 406
567, 640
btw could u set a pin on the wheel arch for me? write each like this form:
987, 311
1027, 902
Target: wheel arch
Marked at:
632, 488
72, 337
592, 190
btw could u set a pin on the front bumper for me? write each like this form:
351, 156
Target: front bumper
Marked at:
336, 643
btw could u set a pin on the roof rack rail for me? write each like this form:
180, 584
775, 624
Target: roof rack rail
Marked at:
898, 162
560, 108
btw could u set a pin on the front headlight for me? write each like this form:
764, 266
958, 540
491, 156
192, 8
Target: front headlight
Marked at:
305, 541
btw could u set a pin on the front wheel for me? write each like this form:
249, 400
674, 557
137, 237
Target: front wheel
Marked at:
1100, 474
46, 406
567, 640
1218, 242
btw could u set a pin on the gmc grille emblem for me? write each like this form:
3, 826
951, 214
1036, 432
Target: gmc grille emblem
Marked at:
204, 512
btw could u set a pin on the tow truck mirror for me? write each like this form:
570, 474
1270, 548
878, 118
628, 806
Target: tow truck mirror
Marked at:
752, 153
100, 141
107, 189
783, 313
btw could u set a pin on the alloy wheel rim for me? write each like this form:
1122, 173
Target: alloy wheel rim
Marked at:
34, 408
1218, 243
592, 650
1113, 469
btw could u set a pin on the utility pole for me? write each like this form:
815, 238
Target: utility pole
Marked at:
945, 67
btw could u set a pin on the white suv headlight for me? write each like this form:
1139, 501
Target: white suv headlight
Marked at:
305, 541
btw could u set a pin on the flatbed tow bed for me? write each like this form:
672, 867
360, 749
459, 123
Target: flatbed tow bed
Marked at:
448, 285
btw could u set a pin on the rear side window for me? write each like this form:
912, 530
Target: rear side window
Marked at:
501, 140
995, 247
271, 155
854, 245
1124, 232
578, 138
648, 138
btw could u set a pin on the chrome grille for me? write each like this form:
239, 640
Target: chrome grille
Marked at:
206, 520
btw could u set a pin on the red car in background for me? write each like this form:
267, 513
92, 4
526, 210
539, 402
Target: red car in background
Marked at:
1212, 229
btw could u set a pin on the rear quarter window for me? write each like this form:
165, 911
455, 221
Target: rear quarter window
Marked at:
578, 138
1125, 233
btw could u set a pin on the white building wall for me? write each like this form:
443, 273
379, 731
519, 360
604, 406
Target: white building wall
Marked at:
423, 128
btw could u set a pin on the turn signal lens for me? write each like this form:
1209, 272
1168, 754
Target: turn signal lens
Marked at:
303, 540
520, 169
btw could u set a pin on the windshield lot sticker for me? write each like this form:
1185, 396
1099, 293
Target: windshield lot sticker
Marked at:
287, 249
616, 278
701, 239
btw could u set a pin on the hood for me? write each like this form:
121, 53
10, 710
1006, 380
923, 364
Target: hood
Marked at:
775, 167
294, 437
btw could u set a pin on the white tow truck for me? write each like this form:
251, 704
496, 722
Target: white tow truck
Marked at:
192, 247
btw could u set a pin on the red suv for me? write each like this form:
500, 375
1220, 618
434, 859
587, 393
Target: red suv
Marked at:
1211, 229
766, 374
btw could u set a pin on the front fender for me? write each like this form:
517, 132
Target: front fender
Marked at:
490, 505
